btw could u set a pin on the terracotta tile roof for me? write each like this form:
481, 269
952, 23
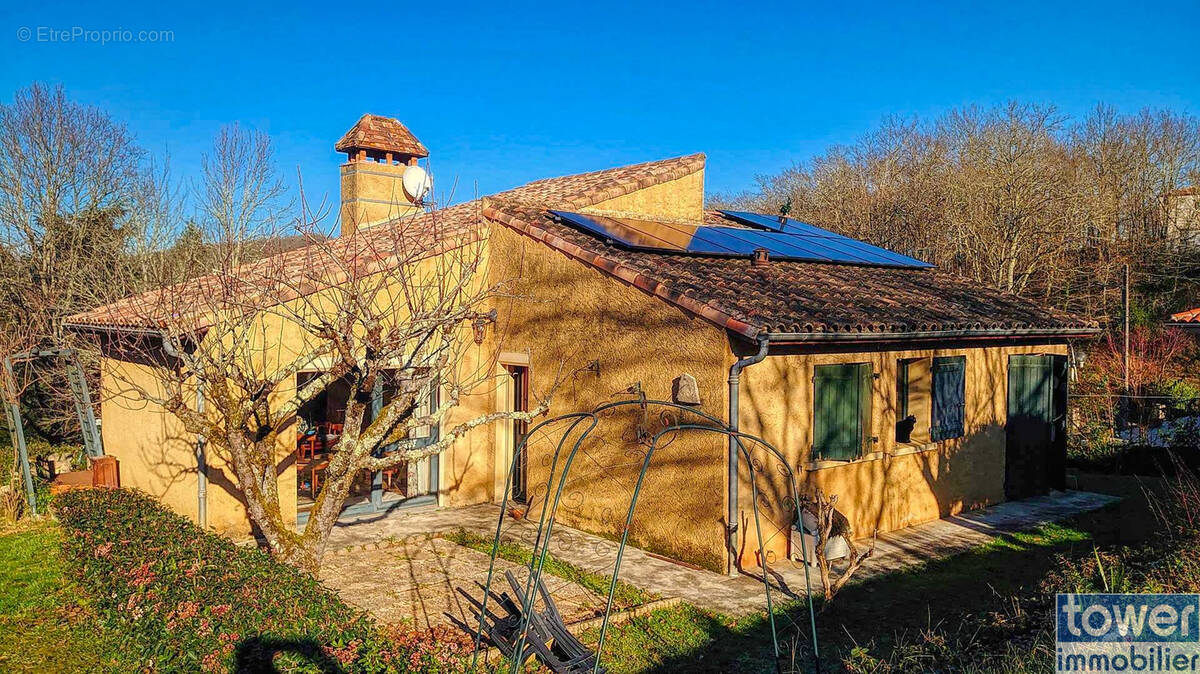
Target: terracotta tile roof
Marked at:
304, 267
290, 274
800, 297
785, 297
1192, 190
373, 132
1189, 316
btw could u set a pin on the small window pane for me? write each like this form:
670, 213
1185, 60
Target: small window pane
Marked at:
913, 395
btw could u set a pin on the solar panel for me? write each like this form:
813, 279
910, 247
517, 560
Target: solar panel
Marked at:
789, 226
850, 247
796, 241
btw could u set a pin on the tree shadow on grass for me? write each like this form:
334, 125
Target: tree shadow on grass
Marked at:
873, 611
256, 655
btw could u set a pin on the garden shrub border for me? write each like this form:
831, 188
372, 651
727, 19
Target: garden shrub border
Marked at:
187, 600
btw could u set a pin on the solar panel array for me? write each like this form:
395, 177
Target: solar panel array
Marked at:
788, 239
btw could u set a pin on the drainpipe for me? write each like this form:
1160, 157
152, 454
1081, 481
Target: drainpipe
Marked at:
735, 374
201, 467
201, 450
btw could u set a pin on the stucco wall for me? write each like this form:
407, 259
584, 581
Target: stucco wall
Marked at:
157, 455
894, 485
372, 192
467, 469
569, 315
679, 198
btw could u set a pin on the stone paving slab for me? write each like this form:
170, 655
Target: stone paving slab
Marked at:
743, 594
416, 581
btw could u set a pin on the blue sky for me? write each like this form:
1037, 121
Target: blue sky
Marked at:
504, 93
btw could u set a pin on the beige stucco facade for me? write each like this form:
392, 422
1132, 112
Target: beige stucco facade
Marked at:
588, 338
894, 485
157, 455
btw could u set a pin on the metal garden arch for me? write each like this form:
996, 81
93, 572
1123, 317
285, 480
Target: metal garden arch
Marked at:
703, 423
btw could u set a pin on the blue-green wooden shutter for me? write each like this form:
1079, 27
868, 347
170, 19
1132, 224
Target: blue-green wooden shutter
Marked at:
902, 387
949, 397
841, 410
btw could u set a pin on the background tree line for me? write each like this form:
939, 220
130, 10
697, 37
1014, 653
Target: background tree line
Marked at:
88, 216
1019, 197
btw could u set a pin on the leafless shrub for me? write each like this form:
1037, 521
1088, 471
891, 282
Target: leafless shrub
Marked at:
830, 523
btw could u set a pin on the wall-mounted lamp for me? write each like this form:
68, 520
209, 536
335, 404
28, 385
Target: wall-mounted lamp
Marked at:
479, 326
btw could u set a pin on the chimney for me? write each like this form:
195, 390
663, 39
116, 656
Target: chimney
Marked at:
760, 257
379, 151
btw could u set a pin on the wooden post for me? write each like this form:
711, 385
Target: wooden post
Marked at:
1125, 300
106, 472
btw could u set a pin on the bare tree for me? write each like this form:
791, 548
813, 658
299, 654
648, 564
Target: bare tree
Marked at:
1018, 197
388, 313
240, 195
75, 193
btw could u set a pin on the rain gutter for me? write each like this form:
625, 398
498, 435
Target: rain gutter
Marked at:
735, 373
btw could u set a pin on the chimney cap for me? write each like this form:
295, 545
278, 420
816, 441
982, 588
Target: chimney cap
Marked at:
378, 135
760, 257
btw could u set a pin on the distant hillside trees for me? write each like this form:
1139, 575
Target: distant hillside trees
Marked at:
1019, 197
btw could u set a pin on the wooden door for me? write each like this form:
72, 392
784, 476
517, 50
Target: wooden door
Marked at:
1035, 433
517, 430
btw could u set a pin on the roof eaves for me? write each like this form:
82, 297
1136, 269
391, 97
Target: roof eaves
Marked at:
984, 333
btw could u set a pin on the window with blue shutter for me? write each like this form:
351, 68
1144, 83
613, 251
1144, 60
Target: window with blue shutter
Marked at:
913, 400
841, 410
949, 397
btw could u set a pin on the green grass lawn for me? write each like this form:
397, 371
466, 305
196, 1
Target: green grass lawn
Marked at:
45, 626
624, 595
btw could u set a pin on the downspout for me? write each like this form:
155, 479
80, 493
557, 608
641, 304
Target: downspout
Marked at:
201, 467
735, 375
201, 452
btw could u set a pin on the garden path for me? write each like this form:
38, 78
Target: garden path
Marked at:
377, 546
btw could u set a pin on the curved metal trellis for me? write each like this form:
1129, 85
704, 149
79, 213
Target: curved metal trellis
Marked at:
589, 421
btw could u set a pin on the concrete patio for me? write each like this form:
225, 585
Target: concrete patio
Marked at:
400, 543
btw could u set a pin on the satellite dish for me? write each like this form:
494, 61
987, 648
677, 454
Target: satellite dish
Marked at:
417, 183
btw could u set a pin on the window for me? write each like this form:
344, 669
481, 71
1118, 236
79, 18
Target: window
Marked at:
408, 382
914, 399
841, 410
949, 397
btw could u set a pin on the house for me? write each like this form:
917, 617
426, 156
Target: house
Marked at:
1187, 321
909, 393
1182, 208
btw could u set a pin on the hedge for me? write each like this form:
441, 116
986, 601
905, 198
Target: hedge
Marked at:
185, 600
